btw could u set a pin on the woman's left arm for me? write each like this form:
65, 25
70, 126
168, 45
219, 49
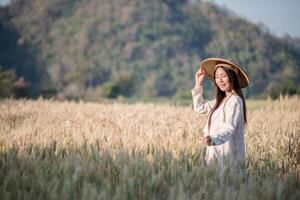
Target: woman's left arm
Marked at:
233, 117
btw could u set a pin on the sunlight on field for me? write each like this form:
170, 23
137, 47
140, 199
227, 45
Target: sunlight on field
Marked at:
70, 150
257, 104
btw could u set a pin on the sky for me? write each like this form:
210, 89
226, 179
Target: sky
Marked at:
280, 16
4, 2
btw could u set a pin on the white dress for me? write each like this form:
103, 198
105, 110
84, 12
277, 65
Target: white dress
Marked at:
226, 129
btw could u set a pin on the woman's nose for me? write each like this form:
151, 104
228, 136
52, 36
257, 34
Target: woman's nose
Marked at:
219, 80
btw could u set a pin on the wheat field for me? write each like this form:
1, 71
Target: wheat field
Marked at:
80, 150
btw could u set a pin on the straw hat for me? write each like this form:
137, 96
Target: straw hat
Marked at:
211, 64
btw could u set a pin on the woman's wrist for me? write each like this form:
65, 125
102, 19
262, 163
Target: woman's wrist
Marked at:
198, 86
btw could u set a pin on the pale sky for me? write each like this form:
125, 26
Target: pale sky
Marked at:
280, 16
4, 2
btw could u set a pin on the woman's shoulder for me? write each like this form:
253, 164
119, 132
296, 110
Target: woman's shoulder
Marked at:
235, 99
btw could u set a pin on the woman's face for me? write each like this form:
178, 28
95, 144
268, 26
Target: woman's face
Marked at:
222, 80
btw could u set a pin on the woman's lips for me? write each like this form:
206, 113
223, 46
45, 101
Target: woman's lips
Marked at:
222, 85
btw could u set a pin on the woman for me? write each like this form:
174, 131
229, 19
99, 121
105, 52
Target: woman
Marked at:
224, 129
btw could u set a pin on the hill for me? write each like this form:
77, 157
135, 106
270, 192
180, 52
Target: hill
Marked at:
134, 48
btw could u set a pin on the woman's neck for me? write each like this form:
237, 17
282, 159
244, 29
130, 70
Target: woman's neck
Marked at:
229, 93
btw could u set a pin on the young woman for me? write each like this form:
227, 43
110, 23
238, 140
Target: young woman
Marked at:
224, 129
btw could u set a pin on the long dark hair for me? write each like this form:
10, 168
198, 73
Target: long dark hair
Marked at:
233, 79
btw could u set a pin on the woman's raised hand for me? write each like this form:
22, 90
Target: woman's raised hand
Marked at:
199, 76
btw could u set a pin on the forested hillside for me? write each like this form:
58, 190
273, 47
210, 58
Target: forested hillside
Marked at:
139, 49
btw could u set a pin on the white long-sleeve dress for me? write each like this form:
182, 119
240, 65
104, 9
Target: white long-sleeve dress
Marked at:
226, 129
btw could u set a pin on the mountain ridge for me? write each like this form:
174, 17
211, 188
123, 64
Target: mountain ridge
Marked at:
139, 49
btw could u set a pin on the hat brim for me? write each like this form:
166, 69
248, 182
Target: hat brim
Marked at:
208, 65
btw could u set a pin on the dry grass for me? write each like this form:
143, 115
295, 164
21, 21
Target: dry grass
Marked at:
69, 150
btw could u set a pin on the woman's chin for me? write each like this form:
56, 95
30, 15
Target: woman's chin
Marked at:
224, 88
